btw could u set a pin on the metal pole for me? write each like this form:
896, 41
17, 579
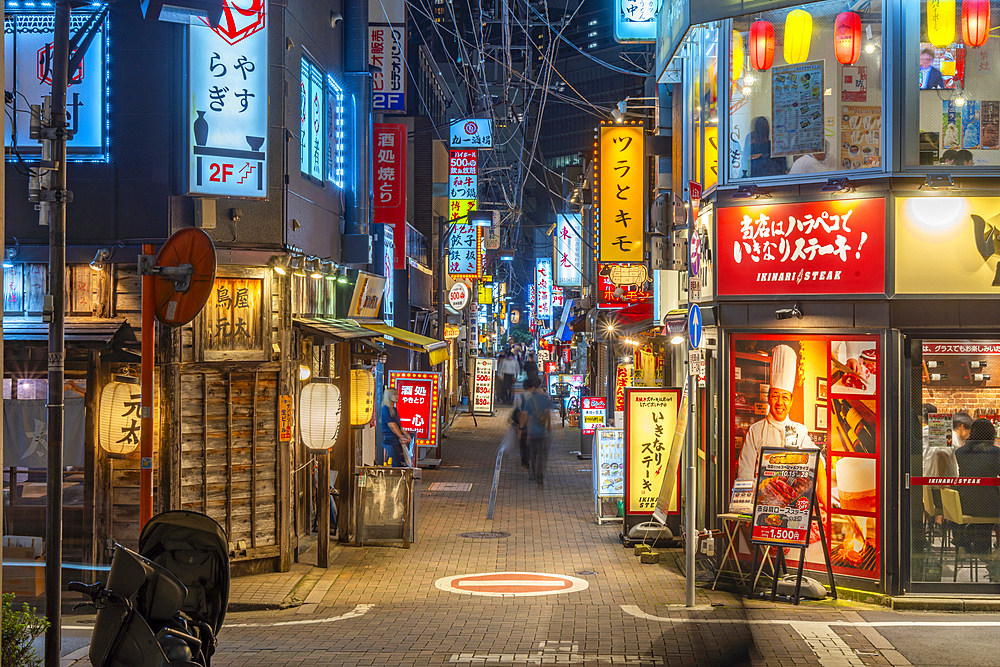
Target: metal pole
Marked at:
358, 210
57, 342
146, 399
442, 267
689, 489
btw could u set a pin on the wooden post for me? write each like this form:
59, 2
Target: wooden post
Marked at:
287, 531
344, 451
146, 401
170, 419
323, 510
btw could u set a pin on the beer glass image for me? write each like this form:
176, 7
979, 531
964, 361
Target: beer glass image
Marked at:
856, 483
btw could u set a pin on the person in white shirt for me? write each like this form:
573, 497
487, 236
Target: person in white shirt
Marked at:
815, 162
508, 370
776, 429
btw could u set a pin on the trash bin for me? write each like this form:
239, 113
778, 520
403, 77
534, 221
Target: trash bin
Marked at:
387, 501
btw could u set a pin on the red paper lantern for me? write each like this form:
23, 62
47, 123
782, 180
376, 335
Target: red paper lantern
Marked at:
761, 45
975, 21
847, 37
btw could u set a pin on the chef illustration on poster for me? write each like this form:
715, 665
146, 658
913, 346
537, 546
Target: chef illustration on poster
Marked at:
776, 429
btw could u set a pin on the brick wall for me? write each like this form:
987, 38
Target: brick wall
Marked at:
965, 399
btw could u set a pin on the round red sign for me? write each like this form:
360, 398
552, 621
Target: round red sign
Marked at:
458, 296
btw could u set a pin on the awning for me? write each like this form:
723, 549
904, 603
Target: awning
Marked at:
338, 330
436, 349
91, 332
636, 313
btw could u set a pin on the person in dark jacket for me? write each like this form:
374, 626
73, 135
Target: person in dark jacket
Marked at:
979, 457
759, 149
930, 76
530, 367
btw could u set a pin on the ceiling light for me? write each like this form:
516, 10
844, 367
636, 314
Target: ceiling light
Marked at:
342, 278
676, 339
314, 270
279, 263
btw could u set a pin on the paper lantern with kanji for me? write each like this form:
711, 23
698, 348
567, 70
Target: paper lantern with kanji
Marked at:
761, 45
975, 21
940, 22
118, 430
847, 37
737, 55
319, 414
798, 35
362, 396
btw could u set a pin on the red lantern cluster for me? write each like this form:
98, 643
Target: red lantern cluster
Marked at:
847, 37
975, 21
761, 45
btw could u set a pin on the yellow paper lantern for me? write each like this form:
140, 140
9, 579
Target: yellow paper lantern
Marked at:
941, 22
362, 396
798, 35
118, 430
737, 55
319, 413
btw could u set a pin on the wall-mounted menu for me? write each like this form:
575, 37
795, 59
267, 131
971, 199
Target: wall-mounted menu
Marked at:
797, 108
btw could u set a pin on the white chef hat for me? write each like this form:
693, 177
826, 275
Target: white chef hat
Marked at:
784, 365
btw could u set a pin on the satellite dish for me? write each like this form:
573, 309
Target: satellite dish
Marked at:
184, 271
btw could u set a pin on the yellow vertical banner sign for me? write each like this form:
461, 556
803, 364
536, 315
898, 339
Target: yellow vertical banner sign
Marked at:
621, 193
650, 421
667, 499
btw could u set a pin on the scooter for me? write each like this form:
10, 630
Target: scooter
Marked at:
163, 606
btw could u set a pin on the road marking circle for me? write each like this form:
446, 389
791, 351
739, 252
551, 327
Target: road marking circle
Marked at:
519, 584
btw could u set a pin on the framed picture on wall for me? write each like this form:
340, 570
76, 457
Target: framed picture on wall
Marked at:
821, 416
820, 389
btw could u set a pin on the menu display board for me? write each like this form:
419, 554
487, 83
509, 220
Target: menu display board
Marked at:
824, 391
860, 136
593, 413
741, 501
783, 495
609, 462
797, 108
650, 418
482, 386
419, 395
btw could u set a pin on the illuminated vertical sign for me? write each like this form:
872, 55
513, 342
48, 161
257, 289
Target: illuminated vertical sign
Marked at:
569, 246
621, 195
387, 57
635, 21
543, 288
388, 241
312, 151
530, 289
389, 183
335, 139
465, 258
227, 104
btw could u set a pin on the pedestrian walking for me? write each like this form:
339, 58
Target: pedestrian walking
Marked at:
530, 367
508, 369
519, 419
537, 406
394, 439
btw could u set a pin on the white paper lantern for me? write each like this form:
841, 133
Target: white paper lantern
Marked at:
119, 427
319, 413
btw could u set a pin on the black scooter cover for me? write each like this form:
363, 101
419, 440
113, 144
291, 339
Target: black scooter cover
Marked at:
194, 548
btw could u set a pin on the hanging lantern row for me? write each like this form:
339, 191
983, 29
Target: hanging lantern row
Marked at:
798, 35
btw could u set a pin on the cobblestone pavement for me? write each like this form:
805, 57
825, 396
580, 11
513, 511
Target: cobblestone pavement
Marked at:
379, 605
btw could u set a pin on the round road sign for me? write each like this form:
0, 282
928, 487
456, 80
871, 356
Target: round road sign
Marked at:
458, 296
192, 247
500, 584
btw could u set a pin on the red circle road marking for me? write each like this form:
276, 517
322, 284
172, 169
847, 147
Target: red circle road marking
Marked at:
498, 584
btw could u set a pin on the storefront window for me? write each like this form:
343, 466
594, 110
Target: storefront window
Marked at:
955, 464
954, 70
805, 93
705, 103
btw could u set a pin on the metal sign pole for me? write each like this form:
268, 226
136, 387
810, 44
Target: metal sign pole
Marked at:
689, 485
146, 398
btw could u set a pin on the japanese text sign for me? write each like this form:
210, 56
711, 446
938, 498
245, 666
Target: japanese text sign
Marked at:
569, 246
28, 34
387, 57
624, 377
465, 246
234, 312
557, 297
829, 247
783, 497
389, 183
650, 419
367, 298
621, 189
632, 279
482, 386
417, 404
609, 462
286, 418
543, 288
471, 133
593, 413
227, 121
635, 21
313, 127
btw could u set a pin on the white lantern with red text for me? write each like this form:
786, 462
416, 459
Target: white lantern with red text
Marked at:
319, 413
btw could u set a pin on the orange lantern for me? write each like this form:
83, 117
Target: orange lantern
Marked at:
847, 37
761, 45
975, 21
798, 35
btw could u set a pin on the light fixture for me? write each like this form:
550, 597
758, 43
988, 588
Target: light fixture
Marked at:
103, 255
342, 278
506, 255
761, 45
788, 313
304, 372
362, 396
847, 37
118, 430
278, 263
940, 22
297, 265
975, 21
935, 181
330, 269
749, 192
960, 100
188, 12
798, 35
838, 185
314, 270
870, 48
319, 413
9, 254
747, 90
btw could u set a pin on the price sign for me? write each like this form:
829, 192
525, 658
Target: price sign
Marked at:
593, 413
785, 484
482, 386
418, 403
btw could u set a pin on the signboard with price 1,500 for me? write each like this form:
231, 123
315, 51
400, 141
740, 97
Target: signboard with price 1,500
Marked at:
482, 386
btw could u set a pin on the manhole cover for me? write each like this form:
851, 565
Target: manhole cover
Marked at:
484, 535
586, 573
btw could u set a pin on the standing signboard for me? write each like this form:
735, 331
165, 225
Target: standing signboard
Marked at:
650, 419
227, 104
593, 413
609, 468
482, 386
419, 394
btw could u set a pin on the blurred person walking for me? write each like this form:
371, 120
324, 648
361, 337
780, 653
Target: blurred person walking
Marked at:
537, 407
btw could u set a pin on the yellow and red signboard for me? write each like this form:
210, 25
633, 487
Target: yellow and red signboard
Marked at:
419, 395
650, 418
621, 193
623, 378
